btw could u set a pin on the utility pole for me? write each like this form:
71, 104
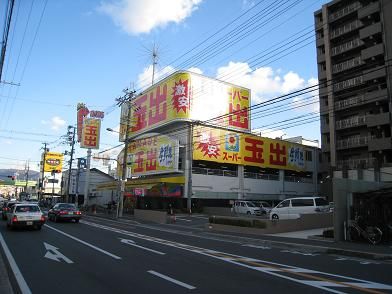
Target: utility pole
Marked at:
87, 178
27, 168
43, 171
71, 140
120, 101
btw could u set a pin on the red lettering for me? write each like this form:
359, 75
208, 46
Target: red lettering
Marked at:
280, 154
254, 146
90, 136
151, 160
140, 114
238, 117
139, 162
158, 107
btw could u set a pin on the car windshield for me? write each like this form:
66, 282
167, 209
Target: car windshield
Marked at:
251, 204
27, 208
321, 202
67, 206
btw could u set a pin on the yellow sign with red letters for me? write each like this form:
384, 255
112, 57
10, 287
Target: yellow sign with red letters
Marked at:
91, 133
187, 96
224, 146
53, 161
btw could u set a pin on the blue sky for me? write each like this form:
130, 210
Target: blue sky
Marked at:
88, 51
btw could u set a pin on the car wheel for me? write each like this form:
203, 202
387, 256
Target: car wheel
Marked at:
275, 216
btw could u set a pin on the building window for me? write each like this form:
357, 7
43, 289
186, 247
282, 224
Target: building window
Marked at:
308, 155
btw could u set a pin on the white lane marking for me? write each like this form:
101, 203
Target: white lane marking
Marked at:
373, 286
256, 246
84, 242
24, 288
190, 287
269, 268
300, 253
54, 254
132, 243
185, 220
361, 261
200, 217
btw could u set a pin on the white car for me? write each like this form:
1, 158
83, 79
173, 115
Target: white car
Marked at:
293, 208
25, 215
245, 207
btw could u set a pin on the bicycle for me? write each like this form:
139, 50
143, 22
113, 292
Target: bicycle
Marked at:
371, 233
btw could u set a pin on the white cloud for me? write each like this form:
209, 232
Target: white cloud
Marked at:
55, 123
145, 78
142, 16
264, 82
7, 141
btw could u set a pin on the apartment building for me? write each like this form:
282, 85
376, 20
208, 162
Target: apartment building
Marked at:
354, 57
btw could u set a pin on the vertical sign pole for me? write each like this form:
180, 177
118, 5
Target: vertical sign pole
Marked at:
87, 178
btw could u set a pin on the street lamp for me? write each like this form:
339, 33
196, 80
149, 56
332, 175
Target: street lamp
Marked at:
124, 167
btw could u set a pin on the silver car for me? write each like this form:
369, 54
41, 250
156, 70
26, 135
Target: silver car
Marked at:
25, 215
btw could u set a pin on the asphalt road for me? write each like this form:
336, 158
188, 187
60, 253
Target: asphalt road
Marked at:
102, 256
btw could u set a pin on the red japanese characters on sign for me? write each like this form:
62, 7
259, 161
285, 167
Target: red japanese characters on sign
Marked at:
238, 109
255, 147
90, 134
181, 96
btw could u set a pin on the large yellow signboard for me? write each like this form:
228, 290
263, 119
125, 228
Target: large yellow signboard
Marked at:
53, 161
90, 134
152, 155
187, 96
237, 148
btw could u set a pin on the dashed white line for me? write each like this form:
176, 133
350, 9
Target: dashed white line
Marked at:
132, 243
190, 287
84, 242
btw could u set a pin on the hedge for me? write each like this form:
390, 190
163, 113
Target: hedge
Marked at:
250, 223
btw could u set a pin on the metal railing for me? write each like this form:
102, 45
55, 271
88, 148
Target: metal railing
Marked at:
356, 163
296, 179
352, 142
214, 172
351, 122
346, 28
357, 100
346, 84
344, 11
346, 46
259, 176
348, 64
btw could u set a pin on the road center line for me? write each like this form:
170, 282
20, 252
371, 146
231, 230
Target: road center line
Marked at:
190, 287
24, 288
84, 242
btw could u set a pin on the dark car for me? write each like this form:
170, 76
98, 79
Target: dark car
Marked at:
64, 211
7, 206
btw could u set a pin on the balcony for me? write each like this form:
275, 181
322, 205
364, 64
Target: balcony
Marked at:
344, 11
319, 41
352, 142
374, 74
350, 102
370, 30
378, 119
356, 163
376, 96
376, 144
324, 128
369, 10
350, 83
372, 51
351, 122
345, 29
350, 45
348, 64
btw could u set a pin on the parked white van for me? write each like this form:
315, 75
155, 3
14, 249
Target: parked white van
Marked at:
292, 208
245, 207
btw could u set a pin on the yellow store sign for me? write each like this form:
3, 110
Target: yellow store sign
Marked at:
237, 148
187, 96
53, 161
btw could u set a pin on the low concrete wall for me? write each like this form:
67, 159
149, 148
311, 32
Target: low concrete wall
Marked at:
305, 222
224, 211
151, 215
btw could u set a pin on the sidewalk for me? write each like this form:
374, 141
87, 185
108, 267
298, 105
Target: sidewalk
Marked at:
302, 240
